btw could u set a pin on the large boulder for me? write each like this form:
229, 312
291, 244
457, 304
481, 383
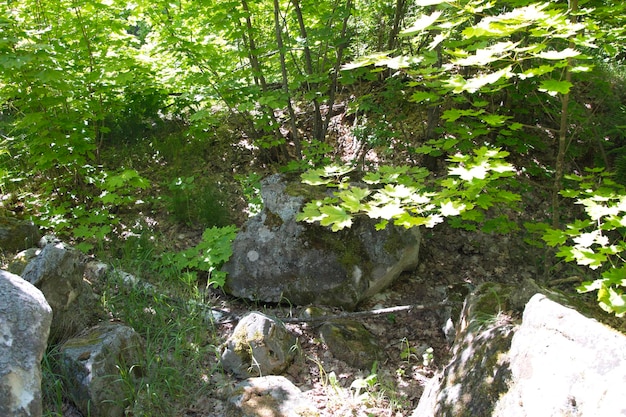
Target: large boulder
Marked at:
100, 366
58, 272
275, 258
564, 364
557, 362
25, 319
478, 371
17, 235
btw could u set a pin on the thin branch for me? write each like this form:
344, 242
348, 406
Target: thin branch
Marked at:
367, 313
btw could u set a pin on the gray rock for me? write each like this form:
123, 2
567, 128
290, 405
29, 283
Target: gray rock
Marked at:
275, 258
25, 319
270, 396
259, 346
564, 364
54, 260
351, 342
17, 235
556, 363
91, 364
22, 259
96, 270
478, 371
58, 272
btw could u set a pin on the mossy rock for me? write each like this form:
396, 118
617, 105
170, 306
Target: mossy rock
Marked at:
17, 235
351, 342
277, 259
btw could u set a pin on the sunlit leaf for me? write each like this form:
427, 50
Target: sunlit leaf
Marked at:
535, 72
468, 174
386, 211
585, 240
451, 208
554, 87
336, 217
424, 3
421, 23
459, 84
558, 55
310, 212
487, 55
352, 198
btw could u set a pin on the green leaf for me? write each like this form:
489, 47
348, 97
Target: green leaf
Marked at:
485, 56
325, 175
615, 276
472, 85
494, 119
452, 115
421, 23
310, 212
554, 87
314, 177
352, 198
554, 237
558, 55
424, 96
336, 217
408, 221
424, 3
535, 72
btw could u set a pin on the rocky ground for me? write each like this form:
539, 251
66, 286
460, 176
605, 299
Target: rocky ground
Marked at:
414, 343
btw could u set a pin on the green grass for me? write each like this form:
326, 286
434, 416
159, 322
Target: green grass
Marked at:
181, 350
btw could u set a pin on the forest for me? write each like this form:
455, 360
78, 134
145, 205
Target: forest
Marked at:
126, 124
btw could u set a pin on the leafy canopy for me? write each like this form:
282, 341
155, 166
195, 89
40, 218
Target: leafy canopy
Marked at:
407, 196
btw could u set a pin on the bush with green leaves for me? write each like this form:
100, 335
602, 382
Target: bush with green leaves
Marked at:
209, 255
89, 215
597, 241
408, 197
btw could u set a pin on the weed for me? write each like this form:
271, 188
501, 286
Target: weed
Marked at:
365, 387
194, 201
52, 386
408, 352
251, 186
178, 348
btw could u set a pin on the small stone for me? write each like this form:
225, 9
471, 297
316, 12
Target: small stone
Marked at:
258, 346
270, 396
351, 342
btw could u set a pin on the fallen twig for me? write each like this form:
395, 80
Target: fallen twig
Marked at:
367, 313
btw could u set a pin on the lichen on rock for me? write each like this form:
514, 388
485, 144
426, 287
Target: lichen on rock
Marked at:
276, 258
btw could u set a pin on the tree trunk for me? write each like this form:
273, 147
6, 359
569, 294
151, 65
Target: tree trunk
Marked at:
259, 78
560, 157
285, 80
335, 75
397, 21
308, 65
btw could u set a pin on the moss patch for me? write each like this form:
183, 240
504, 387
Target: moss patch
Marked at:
272, 220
